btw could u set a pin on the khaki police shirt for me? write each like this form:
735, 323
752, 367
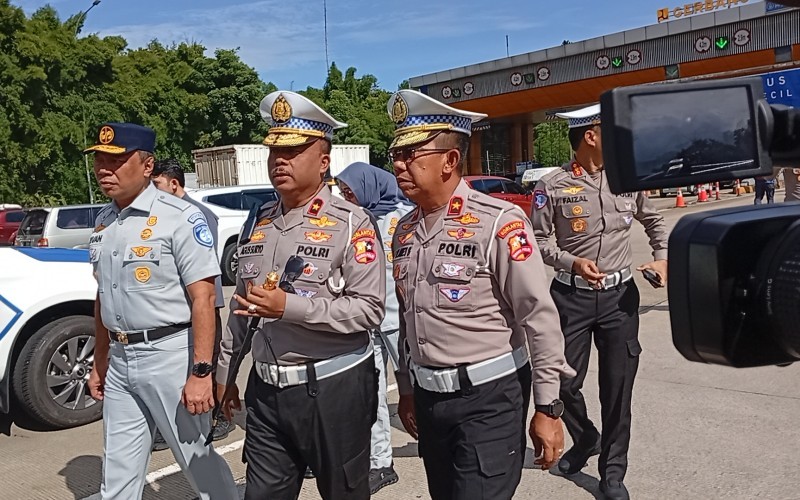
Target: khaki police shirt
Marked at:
145, 255
338, 241
590, 221
473, 288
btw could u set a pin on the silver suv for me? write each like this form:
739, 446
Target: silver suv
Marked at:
60, 227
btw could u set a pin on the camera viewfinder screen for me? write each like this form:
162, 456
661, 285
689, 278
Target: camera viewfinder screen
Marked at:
693, 133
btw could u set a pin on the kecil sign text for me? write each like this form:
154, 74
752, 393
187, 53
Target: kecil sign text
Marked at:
696, 8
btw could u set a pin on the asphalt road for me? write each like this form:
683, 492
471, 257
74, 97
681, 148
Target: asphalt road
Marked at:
699, 431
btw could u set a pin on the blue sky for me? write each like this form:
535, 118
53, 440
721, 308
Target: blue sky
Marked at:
284, 39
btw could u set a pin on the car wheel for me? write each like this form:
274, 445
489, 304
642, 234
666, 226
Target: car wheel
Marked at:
230, 264
52, 373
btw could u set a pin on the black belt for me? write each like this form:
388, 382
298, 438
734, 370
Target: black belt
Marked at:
138, 336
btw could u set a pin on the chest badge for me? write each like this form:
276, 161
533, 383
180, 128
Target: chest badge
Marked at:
452, 270
146, 234
257, 236
141, 251
579, 225
403, 238
310, 269
577, 210
142, 274
467, 219
152, 220
573, 190
460, 233
264, 222
318, 236
454, 294
323, 222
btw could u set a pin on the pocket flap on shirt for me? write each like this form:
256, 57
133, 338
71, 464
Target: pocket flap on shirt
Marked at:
144, 252
453, 269
625, 204
575, 210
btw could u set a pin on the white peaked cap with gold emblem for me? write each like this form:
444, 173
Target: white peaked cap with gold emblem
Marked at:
582, 117
295, 120
419, 118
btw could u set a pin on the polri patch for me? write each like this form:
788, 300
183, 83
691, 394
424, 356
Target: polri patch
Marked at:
519, 247
539, 199
364, 244
202, 234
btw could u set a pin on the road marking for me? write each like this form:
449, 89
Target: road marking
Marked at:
169, 470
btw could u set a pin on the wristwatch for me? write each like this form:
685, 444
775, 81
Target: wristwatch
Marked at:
554, 409
201, 369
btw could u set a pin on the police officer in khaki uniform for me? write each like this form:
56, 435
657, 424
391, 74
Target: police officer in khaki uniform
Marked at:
154, 260
312, 394
471, 289
594, 292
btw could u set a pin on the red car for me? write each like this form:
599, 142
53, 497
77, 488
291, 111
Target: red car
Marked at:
502, 188
10, 218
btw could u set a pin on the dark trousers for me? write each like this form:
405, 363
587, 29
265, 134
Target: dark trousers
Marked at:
762, 188
612, 316
324, 425
472, 442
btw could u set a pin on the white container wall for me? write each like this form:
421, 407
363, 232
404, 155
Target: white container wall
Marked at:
244, 164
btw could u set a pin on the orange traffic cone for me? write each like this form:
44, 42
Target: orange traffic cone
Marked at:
716, 191
702, 195
679, 202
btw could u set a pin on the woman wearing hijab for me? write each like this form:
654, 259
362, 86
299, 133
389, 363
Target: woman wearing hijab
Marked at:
376, 190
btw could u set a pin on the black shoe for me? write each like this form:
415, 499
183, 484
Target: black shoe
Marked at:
380, 478
614, 490
309, 474
158, 442
223, 428
575, 459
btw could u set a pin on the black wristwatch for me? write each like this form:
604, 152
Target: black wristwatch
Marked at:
554, 409
201, 369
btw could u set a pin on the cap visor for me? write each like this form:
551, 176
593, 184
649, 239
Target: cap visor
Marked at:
411, 138
287, 140
106, 148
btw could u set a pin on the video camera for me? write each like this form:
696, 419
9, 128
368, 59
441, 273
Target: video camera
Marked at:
734, 274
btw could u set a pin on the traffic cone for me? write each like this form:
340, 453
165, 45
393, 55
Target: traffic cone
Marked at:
738, 188
702, 195
716, 191
679, 202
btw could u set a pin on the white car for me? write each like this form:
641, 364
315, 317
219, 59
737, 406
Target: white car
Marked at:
231, 204
47, 334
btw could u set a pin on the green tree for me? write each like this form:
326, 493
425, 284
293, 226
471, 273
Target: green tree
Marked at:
551, 143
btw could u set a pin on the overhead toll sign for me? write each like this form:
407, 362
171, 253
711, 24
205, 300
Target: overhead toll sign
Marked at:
696, 8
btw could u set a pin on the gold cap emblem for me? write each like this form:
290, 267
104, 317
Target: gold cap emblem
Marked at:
281, 110
106, 135
399, 110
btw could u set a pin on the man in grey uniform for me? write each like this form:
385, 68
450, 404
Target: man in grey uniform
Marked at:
168, 176
595, 294
312, 394
471, 290
791, 181
155, 265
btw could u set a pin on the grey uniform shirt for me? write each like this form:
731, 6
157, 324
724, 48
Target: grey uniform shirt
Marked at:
339, 243
213, 225
473, 288
591, 222
145, 255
